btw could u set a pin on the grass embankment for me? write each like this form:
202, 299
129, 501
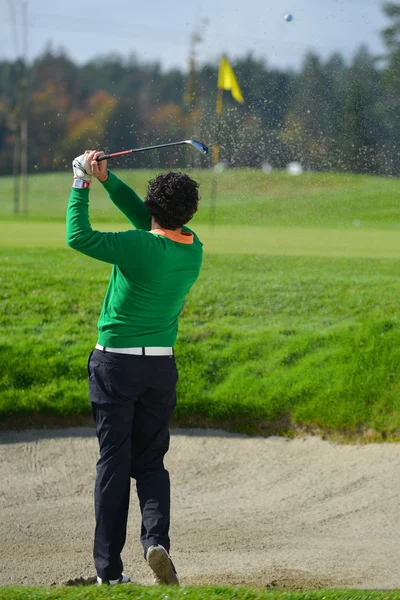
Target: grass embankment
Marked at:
209, 593
264, 343
293, 323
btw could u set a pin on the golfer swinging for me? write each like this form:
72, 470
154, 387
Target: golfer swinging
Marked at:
132, 371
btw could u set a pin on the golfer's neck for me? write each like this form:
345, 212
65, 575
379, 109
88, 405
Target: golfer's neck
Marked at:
155, 225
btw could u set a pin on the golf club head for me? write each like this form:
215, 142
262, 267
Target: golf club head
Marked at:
198, 145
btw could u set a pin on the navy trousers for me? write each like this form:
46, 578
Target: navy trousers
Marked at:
133, 398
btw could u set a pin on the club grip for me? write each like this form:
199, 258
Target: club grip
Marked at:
103, 157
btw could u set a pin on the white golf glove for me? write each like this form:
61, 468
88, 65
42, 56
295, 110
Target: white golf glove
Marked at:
82, 169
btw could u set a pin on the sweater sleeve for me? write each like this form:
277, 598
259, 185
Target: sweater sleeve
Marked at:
117, 248
128, 202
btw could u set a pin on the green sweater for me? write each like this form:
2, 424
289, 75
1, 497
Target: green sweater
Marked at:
151, 276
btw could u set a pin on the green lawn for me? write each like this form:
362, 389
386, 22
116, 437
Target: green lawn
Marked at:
245, 197
207, 593
232, 239
265, 342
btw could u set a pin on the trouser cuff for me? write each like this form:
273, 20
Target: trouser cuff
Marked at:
154, 542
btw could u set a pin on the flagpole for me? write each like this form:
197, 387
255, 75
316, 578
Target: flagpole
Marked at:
216, 155
226, 81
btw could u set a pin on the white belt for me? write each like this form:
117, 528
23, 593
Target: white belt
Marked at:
149, 351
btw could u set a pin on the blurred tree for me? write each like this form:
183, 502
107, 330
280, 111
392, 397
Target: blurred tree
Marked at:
55, 93
361, 130
9, 105
389, 104
391, 34
85, 126
328, 116
313, 117
265, 91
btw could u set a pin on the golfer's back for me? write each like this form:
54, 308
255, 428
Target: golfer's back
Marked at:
145, 297
153, 269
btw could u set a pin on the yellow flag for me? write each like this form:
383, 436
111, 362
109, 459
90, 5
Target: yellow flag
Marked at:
227, 80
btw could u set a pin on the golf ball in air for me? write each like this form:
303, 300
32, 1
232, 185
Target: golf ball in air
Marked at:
288, 17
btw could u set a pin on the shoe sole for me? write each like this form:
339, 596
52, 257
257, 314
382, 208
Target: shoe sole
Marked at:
160, 564
121, 581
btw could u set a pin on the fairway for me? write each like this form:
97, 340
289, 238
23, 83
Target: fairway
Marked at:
231, 239
244, 197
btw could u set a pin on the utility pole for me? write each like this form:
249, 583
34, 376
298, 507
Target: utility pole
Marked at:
24, 110
20, 125
16, 128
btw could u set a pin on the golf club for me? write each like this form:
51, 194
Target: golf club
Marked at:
195, 144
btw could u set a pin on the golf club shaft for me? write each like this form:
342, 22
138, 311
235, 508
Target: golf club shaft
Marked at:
124, 152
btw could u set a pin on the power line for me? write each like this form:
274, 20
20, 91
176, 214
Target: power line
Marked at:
14, 27
108, 25
117, 33
112, 29
24, 16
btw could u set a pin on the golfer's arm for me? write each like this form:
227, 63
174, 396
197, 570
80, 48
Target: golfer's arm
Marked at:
128, 202
116, 248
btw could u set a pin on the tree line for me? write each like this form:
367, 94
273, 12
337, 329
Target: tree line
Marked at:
331, 115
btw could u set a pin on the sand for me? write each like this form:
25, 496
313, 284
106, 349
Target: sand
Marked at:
302, 513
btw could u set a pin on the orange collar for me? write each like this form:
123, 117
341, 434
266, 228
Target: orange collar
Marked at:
185, 237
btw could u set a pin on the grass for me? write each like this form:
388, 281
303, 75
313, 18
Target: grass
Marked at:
293, 323
266, 343
245, 197
201, 593
232, 239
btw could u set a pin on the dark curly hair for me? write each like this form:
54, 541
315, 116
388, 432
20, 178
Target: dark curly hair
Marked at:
172, 199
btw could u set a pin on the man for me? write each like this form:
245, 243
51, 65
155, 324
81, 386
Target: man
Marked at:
132, 371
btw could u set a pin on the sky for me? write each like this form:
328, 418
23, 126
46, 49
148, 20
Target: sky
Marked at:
160, 30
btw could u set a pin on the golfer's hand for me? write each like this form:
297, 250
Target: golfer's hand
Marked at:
81, 167
99, 169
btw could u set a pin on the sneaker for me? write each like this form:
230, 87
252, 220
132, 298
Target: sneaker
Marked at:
121, 579
162, 566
